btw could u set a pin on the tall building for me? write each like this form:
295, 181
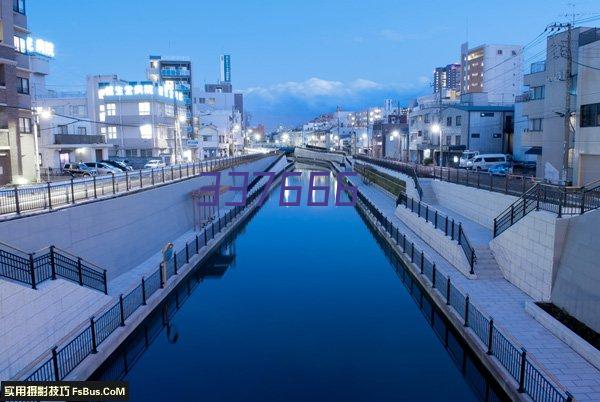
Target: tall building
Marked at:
225, 60
18, 156
496, 70
175, 73
447, 78
565, 152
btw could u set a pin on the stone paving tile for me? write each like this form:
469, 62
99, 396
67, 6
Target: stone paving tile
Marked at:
506, 303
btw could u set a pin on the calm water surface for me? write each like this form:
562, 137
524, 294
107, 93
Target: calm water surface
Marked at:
302, 305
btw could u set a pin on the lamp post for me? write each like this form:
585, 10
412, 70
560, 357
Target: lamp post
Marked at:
437, 128
45, 114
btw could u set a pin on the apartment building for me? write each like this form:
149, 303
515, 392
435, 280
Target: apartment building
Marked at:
18, 156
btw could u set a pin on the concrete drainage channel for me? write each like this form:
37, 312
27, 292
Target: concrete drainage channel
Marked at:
85, 356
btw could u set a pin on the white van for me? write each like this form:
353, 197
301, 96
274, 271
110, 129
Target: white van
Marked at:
486, 161
466, 157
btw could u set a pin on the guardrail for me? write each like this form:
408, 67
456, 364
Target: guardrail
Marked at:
556, 199
391, 184
255, 181
443, 223
51, 263
65, 358
50, 195
522, 367
402, 168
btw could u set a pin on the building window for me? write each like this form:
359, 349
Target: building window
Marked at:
20, 44
63, 129
590, 115
25, 125
535, 125
537, 92
146, 153
144, 108
102, 113
513, 52
169, 110
19, 6
499, 51
131, 153
111, 132
78, 110
458, 120
81, 130
448, 140
449, 121
427, 118
475, 135
146, 131
497, 135
457, 140
111, 109
23, 85
487, 114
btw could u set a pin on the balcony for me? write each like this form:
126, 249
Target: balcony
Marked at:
174, 72
532, 139
72, 139
537, 67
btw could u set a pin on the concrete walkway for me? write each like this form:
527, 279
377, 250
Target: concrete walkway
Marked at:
506, 304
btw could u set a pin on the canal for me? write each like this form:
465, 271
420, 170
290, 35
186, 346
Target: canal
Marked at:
303, 303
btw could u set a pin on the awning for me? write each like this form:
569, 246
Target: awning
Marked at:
534, 151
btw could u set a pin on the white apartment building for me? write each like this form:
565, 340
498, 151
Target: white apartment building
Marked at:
496, 70
573, 154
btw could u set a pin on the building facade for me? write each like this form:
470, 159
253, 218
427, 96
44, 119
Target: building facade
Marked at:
447, 78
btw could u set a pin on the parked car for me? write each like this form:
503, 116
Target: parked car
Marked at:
154, 163
486, 161
466, 157
118, 164
501, 170
103, 168
79, 169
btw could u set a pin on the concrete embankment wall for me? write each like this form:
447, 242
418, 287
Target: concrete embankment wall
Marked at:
528, 252
577, 279
411, 189
324, 156
481, 206
120, 232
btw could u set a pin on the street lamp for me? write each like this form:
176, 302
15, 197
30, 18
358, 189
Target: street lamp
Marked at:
45, 114
436, 128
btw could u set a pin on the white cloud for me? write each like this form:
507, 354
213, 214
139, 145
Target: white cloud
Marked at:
395, 36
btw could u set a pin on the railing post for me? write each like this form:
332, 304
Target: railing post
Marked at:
512, 214
126, 180
163, 174
422, 259
582, 206
105, 282
95, 189
49, 195
122, 310
152, 176
490, 336
433, 275
448, 291
113, 183
187, 253
143, 291
467, 302
79, 271
175, 263
446, 227
197, 245
32, 271
52, 263
459, 232
55, 364
141, 180
495, 227
435, 218
452, 234
72, 192
569, 396
17, 204
163, 280
94, 343
522, 370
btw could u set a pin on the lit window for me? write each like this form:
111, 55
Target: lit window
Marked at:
111, 109
22, 85
146, 131
102, 113
112, 132
169, 110
144, 108
19, 6
24, 125
20, 44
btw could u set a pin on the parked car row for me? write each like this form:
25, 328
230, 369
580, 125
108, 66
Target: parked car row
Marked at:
497, 164
106, 166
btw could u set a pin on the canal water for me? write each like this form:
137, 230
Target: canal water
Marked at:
302, 304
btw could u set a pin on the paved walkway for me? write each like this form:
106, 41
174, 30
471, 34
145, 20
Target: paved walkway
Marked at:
506, 304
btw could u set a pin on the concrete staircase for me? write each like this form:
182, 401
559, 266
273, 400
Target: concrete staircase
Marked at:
486, 266
428, 196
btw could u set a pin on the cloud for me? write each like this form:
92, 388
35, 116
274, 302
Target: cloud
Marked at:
293, 102
395, 36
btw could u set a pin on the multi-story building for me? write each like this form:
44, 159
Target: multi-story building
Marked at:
18, 156
564, 152
469, 123
141, 120
496, 70
175, 74
447, 78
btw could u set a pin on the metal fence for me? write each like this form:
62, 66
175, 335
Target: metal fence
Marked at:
389, 183
64, 359
443, 223
404, 168
21, 199
520, 365
49, 263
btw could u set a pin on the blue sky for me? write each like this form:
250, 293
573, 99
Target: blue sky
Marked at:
294, 59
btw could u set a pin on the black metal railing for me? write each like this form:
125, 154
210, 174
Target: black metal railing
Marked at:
50, 263
21, 199
406, 169
255, 181
528, 374
391, 184
64, 359
559, 200
442, 222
